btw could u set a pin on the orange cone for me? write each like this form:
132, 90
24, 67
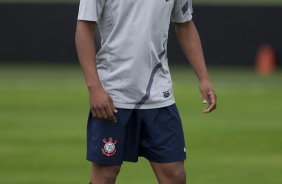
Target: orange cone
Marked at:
265, 61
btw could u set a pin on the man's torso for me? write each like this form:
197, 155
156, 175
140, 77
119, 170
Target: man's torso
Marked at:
132, 62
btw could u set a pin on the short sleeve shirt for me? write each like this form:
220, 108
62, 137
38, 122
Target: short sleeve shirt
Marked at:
132, 63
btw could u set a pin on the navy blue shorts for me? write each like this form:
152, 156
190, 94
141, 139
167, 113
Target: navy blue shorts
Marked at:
155, 134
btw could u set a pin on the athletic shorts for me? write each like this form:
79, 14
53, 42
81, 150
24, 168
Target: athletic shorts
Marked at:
155, 134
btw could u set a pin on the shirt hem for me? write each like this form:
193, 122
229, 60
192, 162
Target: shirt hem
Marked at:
83, 18
145, 106
183, 20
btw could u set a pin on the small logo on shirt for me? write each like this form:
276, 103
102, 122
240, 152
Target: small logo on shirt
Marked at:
109, 148
166, 94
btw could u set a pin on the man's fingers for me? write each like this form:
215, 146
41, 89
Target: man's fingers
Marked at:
111, 115
98, 113
112, 105
111, 110
210, 108
94, 114
212, 102
104, 110
204, 96
212, 97
104, 113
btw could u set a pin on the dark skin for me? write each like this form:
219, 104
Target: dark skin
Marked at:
101, 103
190, 43
102, 106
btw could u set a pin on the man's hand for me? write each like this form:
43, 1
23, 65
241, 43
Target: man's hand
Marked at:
190, 43
101, 105
209, 96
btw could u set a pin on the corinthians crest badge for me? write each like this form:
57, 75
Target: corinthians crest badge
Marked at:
109, 148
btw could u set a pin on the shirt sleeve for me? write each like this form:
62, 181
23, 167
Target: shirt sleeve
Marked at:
182, 11
90, 10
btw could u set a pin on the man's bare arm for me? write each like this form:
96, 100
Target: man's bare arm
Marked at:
101, 103
190, 43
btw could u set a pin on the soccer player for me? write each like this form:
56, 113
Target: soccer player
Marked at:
133, 111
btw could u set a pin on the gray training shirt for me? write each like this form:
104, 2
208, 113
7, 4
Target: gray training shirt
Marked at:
132, 63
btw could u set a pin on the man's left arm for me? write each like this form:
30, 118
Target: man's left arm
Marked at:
190, 43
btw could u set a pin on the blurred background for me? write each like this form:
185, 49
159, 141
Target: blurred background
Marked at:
44, 102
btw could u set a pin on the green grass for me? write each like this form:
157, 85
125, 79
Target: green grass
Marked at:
204, 2
43, 111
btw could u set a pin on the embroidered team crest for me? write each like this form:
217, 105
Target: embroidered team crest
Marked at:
109, 148
166, 94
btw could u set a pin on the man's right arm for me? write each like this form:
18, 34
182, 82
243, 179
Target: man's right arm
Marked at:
101, 103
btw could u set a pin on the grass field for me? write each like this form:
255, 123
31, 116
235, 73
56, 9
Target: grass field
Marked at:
206, 2
43, 110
